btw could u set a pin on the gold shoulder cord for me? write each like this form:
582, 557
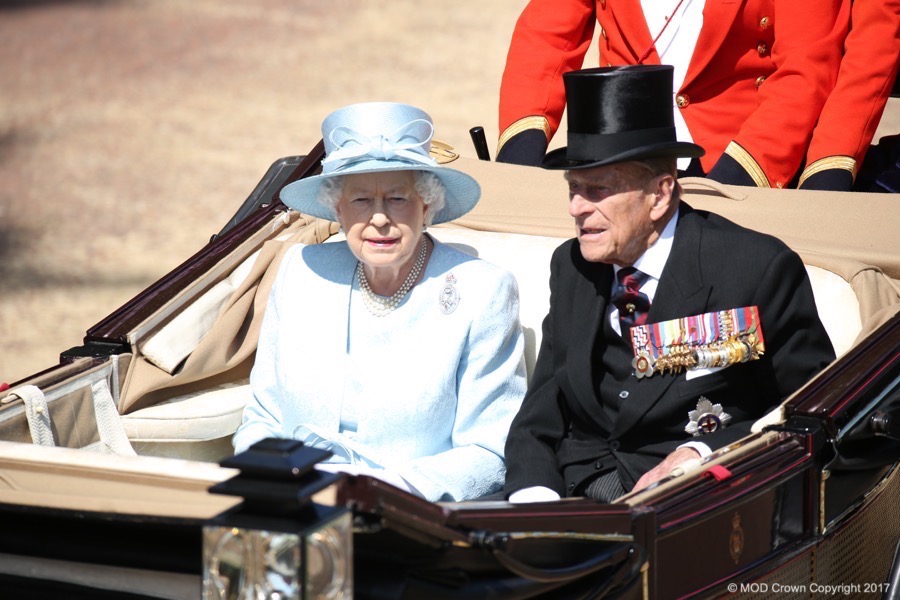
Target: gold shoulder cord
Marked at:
829, 162
748, 163
524, 124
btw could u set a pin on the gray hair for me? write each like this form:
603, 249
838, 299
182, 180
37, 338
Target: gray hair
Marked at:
662, 166
427, 185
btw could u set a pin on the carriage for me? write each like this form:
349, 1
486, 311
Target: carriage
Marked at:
117, 478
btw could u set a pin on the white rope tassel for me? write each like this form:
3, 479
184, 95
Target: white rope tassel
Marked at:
109, 423
38, 414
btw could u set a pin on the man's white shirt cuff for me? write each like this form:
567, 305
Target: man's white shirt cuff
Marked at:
536, 493
700, 447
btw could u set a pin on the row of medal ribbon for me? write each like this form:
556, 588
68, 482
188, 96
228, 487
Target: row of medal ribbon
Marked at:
713, 339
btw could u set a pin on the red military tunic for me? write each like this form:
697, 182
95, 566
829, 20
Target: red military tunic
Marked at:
853, 110
758, 77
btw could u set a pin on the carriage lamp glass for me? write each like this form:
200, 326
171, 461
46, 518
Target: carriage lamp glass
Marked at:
243, 563
329, 560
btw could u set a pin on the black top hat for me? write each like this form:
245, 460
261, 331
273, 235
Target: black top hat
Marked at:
618, 114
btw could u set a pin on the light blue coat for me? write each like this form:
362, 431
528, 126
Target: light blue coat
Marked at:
430, 391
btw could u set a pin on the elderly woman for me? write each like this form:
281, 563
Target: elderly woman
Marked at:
399, 354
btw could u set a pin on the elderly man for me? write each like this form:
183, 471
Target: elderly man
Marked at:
670, 329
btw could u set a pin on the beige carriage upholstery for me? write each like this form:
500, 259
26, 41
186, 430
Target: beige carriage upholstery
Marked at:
187, 384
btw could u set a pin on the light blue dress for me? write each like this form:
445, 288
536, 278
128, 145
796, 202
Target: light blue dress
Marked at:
427, 392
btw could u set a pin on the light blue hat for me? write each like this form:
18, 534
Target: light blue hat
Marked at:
380, 136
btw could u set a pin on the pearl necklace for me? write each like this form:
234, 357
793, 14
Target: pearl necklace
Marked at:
379, 305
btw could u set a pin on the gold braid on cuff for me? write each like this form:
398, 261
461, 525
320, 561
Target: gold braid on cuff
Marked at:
829, 162
524, 124
748, 163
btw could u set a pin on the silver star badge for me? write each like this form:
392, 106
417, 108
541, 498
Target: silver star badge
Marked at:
706, 418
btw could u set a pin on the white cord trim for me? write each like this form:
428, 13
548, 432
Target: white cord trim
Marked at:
38, 414
109, 423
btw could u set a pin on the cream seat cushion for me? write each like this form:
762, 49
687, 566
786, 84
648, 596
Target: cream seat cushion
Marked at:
838, 307
195, 426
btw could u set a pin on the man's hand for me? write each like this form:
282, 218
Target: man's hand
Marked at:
682, 457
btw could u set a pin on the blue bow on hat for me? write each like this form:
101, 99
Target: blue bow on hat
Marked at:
380, 136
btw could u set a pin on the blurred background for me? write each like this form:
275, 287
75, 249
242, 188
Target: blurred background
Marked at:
131, 130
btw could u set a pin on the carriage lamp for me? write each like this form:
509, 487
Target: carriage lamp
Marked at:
278, 544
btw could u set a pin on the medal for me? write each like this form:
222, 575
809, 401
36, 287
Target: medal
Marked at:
706, 418
642, 365
711, 340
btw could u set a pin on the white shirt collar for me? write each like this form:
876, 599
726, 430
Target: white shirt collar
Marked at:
653, 260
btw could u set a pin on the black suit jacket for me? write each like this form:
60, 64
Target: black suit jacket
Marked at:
561, 439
